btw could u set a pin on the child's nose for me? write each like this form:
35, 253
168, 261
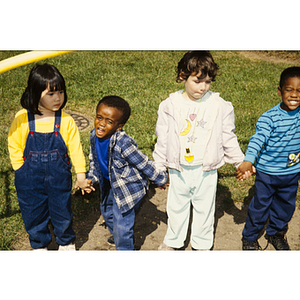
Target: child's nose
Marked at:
58, 96
202, 85
102, 122
295, 94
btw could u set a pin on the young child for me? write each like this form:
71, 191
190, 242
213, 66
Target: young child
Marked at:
195, 137
274, 150
121, 170
39, 140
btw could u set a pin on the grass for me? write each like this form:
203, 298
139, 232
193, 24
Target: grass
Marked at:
144, 78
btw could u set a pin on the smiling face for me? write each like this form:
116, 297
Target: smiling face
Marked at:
290, 94
195, 87
107, 121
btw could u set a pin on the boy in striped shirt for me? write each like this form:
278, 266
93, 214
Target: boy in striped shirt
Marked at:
274, 150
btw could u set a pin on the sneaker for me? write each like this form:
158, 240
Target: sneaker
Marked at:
40, 249
164, 247
278, 241
111, 240
70, 247
250, 245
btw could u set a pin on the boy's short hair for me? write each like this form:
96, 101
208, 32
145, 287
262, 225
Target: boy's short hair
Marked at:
119, 103
40, 78
195, 62
288, 73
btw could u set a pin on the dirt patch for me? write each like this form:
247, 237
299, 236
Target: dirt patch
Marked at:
288, 57
151, 226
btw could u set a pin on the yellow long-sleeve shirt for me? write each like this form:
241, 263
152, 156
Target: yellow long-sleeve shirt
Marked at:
19, 130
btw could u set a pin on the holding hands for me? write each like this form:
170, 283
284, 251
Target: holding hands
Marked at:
245, 170
84, 184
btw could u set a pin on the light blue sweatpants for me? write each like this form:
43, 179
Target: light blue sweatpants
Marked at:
197, 187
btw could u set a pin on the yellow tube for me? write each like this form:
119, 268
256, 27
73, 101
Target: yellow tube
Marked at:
27, 58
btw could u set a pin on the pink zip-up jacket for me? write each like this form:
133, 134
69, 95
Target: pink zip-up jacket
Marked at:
221, 142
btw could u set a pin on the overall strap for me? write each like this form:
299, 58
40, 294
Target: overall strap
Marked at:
57, 121
31, 122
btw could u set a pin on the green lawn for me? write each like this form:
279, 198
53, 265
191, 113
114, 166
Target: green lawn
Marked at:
144, 79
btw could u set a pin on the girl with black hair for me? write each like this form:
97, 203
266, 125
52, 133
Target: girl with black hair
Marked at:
40, 141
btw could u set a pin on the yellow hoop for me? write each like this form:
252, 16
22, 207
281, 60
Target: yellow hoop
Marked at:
27, 58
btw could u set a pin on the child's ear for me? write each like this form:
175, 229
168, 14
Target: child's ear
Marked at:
279, 91
120, 127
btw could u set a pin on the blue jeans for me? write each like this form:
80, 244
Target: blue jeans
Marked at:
120, 225
274, 198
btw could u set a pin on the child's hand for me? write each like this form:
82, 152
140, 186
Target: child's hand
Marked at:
164, 186
87, 190
245, 170
84, 184
87, 187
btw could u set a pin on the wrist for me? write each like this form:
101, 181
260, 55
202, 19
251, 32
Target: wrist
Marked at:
80, 176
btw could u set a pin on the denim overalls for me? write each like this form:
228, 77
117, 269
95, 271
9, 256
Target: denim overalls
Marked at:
44, 184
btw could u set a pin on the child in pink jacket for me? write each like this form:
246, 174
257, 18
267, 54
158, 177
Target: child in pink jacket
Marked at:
195, 137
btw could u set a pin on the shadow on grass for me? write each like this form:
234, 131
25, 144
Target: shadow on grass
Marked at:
147, 218
225, 204
6, 207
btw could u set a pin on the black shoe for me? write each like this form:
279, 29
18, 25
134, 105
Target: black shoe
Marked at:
111, 240
279, 241
250, 245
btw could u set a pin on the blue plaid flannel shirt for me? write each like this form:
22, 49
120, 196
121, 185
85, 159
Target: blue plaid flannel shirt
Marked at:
129, 170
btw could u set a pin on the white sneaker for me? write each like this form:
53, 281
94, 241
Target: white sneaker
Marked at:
70, 247
40, 249
164, 247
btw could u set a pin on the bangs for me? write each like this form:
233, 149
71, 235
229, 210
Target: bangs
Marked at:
203, 67
47, 76
56, 84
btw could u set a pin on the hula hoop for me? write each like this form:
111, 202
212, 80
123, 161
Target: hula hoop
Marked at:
27, 58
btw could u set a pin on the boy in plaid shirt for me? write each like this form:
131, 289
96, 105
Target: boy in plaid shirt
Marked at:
121, 170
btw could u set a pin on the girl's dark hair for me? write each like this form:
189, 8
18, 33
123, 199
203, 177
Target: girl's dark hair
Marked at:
119, 103
287, 73
195, 62
40, 78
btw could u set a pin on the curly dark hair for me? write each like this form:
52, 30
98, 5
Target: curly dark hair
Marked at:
288, 73
195, 62
119, 103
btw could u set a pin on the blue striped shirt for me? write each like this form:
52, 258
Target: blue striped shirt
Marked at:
275, 147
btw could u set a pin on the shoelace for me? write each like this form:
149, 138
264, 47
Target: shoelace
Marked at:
281, 242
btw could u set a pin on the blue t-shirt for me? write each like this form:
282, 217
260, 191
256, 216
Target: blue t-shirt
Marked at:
102, 148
